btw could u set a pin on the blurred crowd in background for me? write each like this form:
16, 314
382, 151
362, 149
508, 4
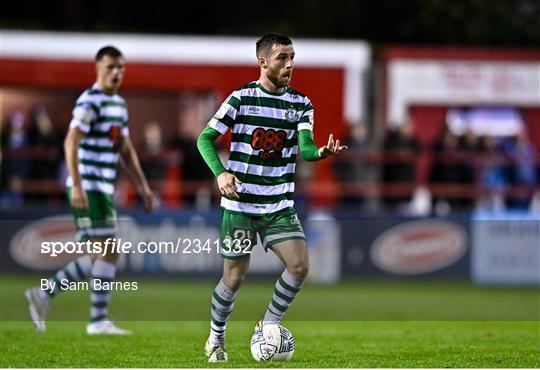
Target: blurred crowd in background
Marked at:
466, 171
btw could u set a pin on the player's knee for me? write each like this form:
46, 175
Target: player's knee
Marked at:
299, 270
233, 282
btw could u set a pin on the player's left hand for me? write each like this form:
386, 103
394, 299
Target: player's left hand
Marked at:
150, 200
331, 148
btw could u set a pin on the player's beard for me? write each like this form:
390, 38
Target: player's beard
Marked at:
277, 81
115, 83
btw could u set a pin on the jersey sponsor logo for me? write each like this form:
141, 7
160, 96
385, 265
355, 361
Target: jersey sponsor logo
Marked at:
270, 142
291, 115
419, 247
269, 155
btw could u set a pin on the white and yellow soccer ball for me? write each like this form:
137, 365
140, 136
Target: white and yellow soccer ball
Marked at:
273, 343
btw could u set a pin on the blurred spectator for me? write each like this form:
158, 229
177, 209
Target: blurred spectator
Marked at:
399, 169
14, 169
152, 159
11, 195
469, 142
350, 168
469, 145
197, 177
14, 139
494, 178
44, 138
522, 153
454, 165
446, 168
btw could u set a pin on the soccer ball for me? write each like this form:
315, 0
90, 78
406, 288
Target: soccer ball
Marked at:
273, 343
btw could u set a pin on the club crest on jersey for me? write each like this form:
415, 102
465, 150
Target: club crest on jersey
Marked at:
291, 115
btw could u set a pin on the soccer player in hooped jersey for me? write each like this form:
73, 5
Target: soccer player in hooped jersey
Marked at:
268, 120
98, 137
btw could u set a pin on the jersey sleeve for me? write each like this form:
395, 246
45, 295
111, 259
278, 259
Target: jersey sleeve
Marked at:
306, 119
84, 113
308, 148
208, 151
225, 116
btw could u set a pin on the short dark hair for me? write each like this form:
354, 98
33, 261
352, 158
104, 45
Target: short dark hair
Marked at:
265, 43
108, 50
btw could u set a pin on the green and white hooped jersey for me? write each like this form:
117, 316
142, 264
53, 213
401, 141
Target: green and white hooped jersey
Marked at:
264, 145
103, 118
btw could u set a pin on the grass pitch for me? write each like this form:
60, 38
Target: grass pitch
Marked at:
469, 327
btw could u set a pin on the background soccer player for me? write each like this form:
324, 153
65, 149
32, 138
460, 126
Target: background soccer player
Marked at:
268, 120
98, 137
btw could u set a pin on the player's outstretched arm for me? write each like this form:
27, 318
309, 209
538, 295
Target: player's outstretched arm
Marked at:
227, 182
79, 200
130, 161
310, 151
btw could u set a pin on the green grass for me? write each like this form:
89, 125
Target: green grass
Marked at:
497, 327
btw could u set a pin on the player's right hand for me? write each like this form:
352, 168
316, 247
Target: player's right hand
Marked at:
79, 200
228, 184
151, 202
